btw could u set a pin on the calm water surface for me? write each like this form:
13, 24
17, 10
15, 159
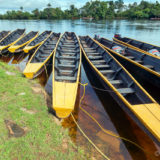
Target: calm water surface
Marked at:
148, 31
99, 104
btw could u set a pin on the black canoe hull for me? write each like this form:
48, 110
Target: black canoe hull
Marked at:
142, 73
44, 68
119, 101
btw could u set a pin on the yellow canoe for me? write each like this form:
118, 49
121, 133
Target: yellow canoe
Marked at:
11, 39
37, 41
128, 93
66, 74
18, 46
41, 57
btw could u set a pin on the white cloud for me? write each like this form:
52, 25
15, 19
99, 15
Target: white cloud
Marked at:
40, 4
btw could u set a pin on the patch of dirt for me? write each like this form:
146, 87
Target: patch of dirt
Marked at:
15, 130
64, 144
37, 88
10, 73
57, 121
28, 111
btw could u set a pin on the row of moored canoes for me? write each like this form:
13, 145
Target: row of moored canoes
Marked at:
103, 57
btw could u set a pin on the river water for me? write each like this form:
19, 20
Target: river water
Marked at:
99, 104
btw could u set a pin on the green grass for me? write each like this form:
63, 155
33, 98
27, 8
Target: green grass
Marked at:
44, 138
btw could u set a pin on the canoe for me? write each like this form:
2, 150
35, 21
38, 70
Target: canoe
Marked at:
3, 34
11, 39
18, 46
120, 84
145, 66
66, 74
143, 47
41, 57
37, 41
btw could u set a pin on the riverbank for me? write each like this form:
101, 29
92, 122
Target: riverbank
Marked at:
27, 130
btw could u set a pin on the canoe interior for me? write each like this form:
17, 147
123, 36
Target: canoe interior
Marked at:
12, 37
67, 58
40, 38
26, 38
46, 48
146, 60
3, 34
141, 45
113, 71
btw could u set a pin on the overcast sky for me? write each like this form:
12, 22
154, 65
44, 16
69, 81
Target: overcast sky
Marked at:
32, 4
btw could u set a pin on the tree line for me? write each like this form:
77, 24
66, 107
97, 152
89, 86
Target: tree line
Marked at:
92, 9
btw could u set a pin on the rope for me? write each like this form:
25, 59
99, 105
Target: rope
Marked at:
107, 131
103, 90
89, 139
46, 70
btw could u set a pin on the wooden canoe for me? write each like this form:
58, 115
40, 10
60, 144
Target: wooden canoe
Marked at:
3, 34
126, 91
41, 57
18, 46
37, 41
138, 45
66, 74
144, 65
11, 39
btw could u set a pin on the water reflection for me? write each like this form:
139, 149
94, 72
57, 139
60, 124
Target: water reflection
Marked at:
144, 30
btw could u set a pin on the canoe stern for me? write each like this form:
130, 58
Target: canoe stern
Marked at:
64, 97
31, 69
12, 49
28, 48
149, 115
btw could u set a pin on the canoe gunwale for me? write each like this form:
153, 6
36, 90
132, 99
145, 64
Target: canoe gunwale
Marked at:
5, 35
130, 60
123, 102
136, 48
40, 64
39, 43
25, 43
20, 36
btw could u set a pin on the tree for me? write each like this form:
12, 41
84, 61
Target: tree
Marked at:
49, 5
21, 8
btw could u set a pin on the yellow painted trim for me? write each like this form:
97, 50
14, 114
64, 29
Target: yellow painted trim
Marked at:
27, 48
131, 107
14, 47
31, 69
5, 37
107, 81
4, 47
64, 111
136, 48
132, 61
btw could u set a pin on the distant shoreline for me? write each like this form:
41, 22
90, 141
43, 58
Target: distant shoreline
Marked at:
92, 10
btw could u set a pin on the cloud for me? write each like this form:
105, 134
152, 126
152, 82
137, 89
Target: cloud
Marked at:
40, 4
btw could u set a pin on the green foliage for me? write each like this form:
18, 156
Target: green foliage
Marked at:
92, 9
145, 10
